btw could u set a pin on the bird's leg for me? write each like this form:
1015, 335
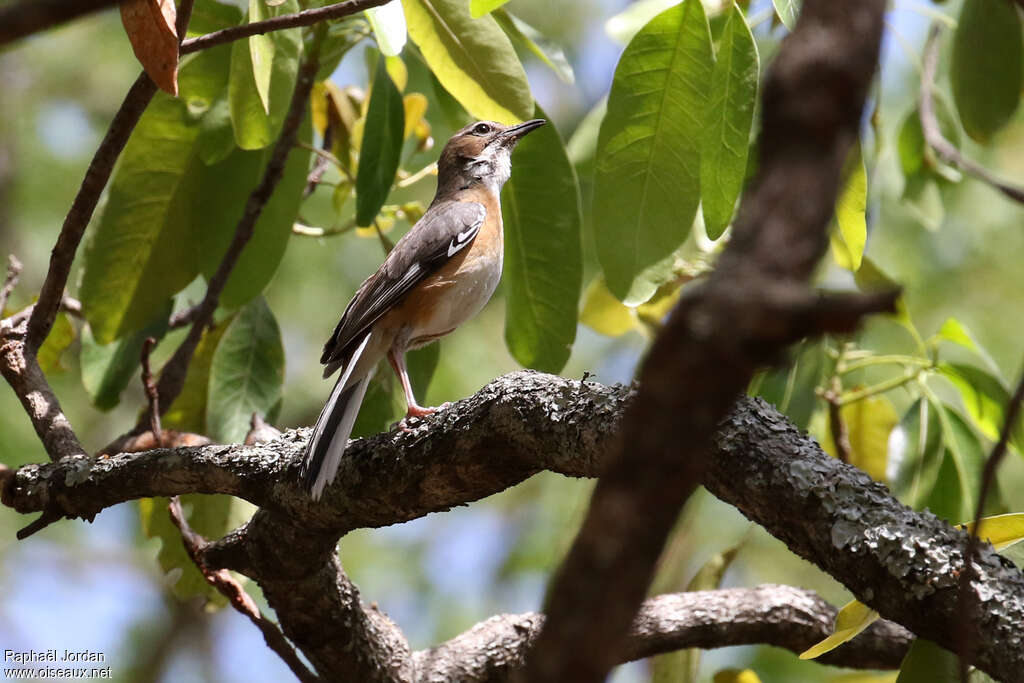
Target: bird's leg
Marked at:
397, 360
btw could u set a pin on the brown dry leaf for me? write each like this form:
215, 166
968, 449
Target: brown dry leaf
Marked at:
151, 30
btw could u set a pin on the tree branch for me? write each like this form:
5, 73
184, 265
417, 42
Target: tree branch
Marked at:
900, 562
749, 309
306, 17
10, 281
782, 616
222, 580
21, 19
933, 133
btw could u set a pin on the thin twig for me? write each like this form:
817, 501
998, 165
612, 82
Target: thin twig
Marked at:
385, 243
966, 602
840, 435
410, 179
306, 17
10, 282
930, 124
152, 395
222, 580
311, 231
172, 377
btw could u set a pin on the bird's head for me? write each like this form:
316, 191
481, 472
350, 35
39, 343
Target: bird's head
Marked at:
480, 153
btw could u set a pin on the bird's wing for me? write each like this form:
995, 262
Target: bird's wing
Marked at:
443, 231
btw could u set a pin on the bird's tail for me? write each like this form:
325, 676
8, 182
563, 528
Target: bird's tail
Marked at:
333, 427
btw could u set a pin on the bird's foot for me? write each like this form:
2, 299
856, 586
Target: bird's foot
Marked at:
415, 413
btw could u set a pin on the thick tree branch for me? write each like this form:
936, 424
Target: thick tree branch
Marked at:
901, 562
933, 133
749, 309
783, 616
21, 19
306, 17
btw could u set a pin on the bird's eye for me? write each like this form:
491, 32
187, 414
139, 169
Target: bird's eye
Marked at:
481, 129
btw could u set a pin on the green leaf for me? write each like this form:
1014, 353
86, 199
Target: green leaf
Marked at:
56, 342
851, 206
107, 369
730, 112
851, 620
209, 16
527, 37
926, 662
953, 330
985, 397
256, 118
472, 58
787, 11
141, 252
478, 8
543, 260
261, 52
869, 422
603, 313
1001, 531
956, 488
915, 157
246, 373
791, 389
736, 676
388, 25
211, 516
647, 184
223, 192
985, 70
381, 149
188, 412
919, 454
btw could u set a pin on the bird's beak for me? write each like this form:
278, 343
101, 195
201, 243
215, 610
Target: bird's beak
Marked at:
510, 136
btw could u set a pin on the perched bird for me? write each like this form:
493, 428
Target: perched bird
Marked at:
440, 274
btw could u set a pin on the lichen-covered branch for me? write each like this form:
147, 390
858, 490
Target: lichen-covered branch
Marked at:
783, 616
901, 562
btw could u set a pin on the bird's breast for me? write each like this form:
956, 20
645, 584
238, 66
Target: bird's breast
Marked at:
461, 287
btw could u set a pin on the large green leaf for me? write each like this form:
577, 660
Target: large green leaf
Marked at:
388, 24
210, 15
140, 254
222, 195
472, 58
926, 662
246, 373
918, 454
256, 118
107, 369
381, 148
850, 621
543, 260
730, 112
985, 397
478, 8
851, 207
986, 66
188, 412
647, 184
868, 422
954, 495
261, 53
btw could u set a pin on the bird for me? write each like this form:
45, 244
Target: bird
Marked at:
440, 274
